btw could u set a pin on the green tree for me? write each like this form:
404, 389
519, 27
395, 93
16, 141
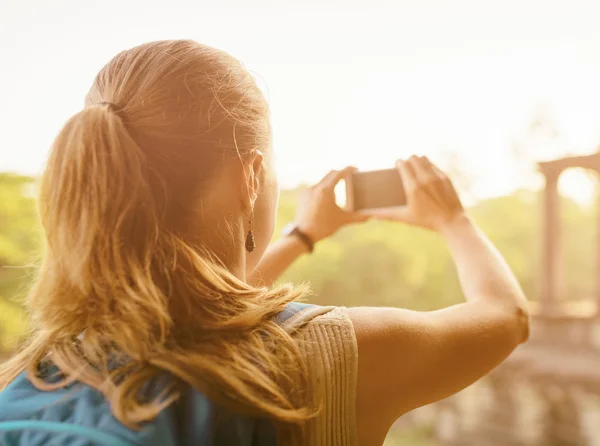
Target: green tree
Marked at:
376, 263
20, 244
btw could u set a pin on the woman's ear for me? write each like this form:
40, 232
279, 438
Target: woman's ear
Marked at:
251, 184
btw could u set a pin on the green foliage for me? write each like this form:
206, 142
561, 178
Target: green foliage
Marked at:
20, 244
19, 233
13, 323
423, 435
376, 263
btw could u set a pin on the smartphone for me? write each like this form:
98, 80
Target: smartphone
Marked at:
374, 189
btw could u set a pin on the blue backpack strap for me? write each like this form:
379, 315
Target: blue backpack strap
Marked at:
194, 417
94, 436
291, 309
75, 415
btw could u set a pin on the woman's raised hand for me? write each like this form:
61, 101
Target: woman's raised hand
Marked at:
432, 201
317, 214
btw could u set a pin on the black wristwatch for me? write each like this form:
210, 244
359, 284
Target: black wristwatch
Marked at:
293, 230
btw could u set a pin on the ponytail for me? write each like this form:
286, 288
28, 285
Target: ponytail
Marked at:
96, 196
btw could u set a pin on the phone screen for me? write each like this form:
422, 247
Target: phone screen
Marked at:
374, 189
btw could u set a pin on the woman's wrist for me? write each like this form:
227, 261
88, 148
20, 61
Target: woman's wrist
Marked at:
456, 224
295, 245
309, 232
301, 236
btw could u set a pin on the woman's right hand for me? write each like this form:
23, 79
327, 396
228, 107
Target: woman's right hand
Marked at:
432, 201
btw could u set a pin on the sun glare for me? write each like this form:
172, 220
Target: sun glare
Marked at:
580, 185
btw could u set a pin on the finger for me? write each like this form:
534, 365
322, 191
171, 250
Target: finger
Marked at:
422, 168
431, 182
334, 177
445, 180
425, 179
434, 174
327, 177
448, 185
440, 174
407, 175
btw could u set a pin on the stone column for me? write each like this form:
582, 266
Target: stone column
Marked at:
500, 423
562, 423
597, 291
551, 260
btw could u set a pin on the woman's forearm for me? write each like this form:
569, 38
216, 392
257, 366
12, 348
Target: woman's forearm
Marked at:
318, 216
483, 272
279, 256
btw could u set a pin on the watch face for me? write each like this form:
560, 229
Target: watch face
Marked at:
288, 229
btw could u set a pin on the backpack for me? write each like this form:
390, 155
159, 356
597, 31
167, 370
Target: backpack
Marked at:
78, 415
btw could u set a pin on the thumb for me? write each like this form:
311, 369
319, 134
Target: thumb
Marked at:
400, 214
356, 217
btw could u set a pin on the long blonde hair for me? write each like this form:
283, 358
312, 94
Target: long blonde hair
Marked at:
122, 179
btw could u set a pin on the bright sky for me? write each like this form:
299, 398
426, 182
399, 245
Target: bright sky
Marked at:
349, 82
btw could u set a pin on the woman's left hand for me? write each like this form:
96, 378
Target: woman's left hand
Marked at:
317, 215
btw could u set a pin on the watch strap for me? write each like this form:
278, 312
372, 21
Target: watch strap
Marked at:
304, 238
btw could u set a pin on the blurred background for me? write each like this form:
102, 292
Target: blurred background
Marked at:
488, 90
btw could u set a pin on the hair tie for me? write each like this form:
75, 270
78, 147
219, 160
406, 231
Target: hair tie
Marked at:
111, 105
